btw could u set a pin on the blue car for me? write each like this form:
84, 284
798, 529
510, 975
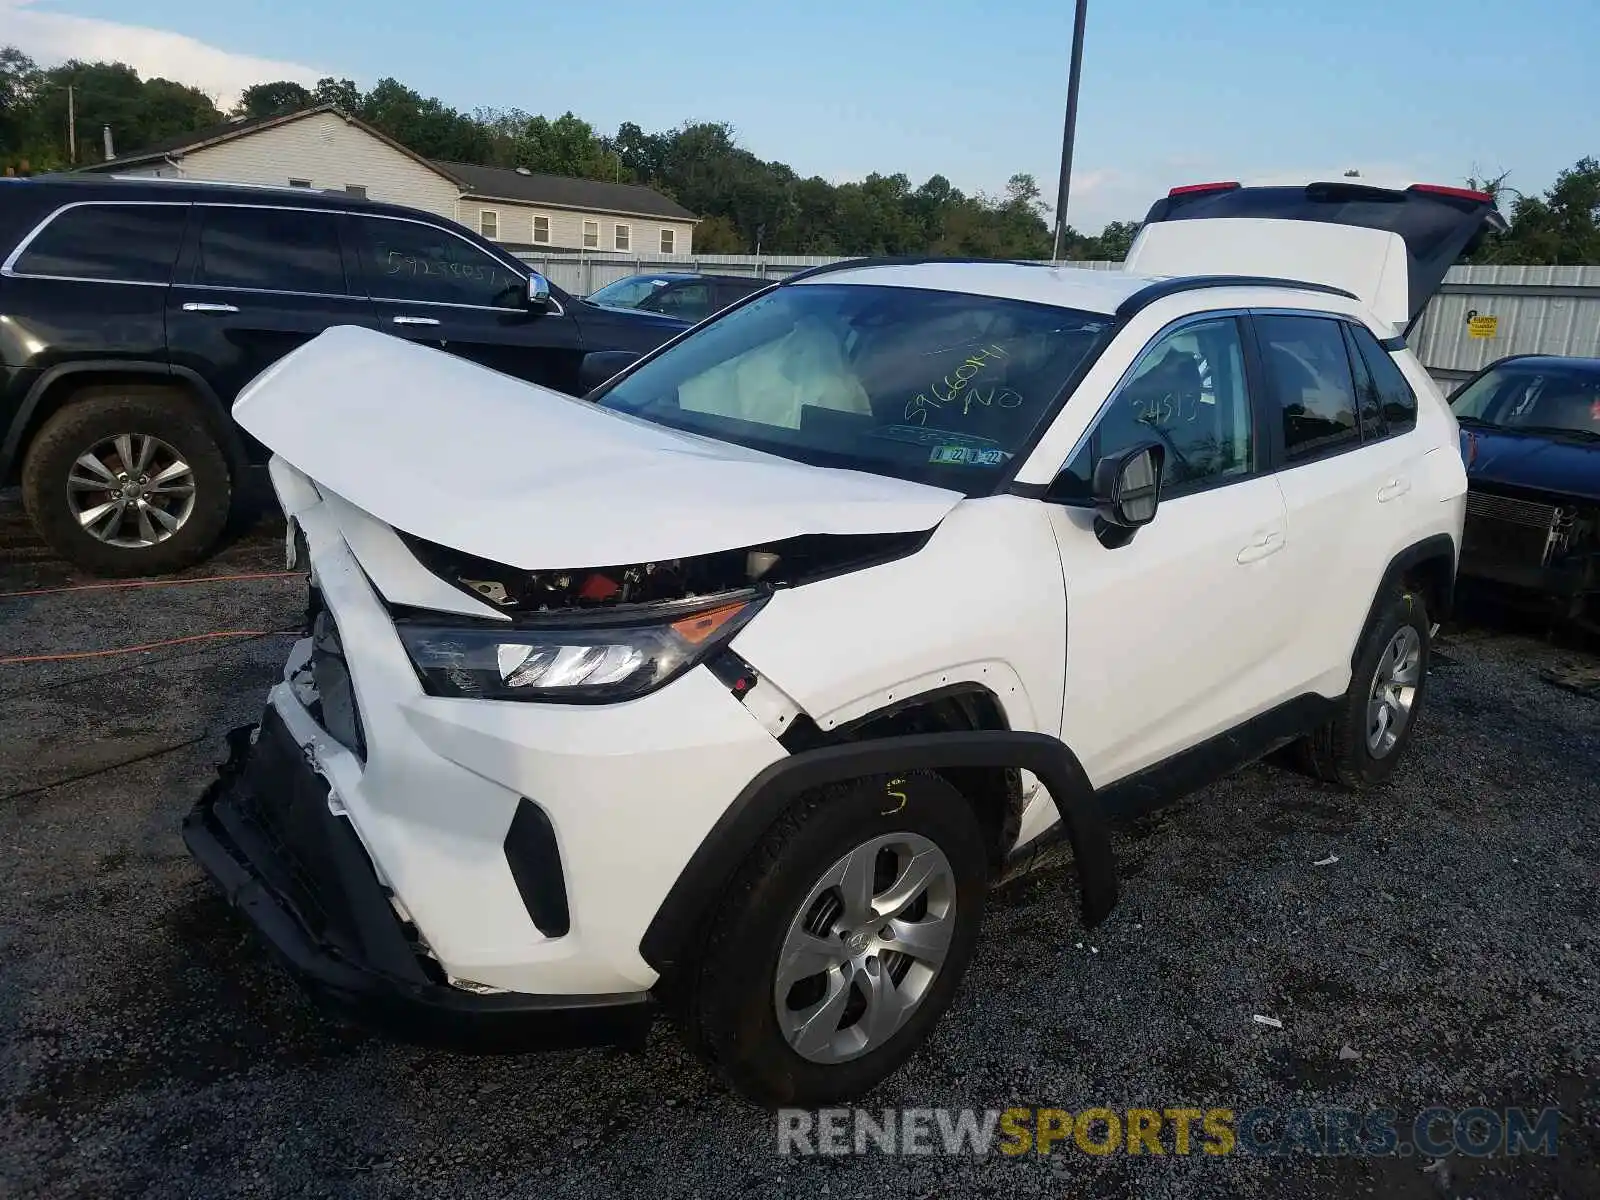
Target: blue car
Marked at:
1530, 436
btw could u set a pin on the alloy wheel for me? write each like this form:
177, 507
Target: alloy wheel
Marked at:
865, 947
1393, 696
131, 490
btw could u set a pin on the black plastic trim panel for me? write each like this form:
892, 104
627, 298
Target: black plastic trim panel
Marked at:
671, 935
1160, 290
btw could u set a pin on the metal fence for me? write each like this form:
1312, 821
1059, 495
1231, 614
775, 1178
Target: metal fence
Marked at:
1480, 314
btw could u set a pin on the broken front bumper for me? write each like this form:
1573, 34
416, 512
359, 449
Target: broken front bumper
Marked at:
264, 832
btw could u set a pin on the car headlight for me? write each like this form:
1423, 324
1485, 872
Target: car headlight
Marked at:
582, 660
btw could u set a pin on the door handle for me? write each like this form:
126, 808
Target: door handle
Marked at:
202, 306
1269, 541
415, 321
1393, 490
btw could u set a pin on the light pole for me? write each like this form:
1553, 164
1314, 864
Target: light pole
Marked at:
1071, 125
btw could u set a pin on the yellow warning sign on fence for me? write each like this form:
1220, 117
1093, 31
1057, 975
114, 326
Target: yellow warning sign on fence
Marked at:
1483, 327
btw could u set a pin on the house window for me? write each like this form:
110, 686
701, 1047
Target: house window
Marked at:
669, 241
356, 189
300, 183
541, 229
489, 223
591, 235
624, 236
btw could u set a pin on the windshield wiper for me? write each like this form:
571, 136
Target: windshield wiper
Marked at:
1557, 431
1460, 420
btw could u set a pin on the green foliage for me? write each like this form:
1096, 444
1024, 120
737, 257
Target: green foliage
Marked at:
745, 201
1562, 227
33, 110
273, 99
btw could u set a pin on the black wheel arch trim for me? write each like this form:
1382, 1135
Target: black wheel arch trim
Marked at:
1440, 546
12, 448
671, 934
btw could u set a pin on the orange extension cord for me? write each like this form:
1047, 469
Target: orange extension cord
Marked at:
149, 583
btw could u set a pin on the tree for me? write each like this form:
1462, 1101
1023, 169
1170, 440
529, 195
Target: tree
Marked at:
1562, 227
342, 93
275, 99
744, 201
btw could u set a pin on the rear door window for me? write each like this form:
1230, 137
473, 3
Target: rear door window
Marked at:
1308, 372
270, 249
111, 243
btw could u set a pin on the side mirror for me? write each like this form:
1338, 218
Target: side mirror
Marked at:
600, 365
538, 291
1127, 492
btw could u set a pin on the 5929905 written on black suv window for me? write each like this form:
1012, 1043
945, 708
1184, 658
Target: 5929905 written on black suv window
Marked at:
133, 311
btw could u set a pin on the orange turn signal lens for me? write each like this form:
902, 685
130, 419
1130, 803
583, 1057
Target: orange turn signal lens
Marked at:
702, 625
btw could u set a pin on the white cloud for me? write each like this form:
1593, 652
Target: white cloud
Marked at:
52, 37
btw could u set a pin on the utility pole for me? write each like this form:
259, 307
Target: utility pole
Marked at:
72, 128
1069, 132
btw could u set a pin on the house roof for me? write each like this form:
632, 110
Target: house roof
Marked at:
491, 183
564, 191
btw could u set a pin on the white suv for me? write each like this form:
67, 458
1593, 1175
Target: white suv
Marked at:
731, 688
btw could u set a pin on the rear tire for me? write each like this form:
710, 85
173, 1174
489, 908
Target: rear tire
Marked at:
1376, 719
158, 457
815, 1037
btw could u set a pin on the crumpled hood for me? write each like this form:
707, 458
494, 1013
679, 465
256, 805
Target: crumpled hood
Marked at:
465, 457
1529, 461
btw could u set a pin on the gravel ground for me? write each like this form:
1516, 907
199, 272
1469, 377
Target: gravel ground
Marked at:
148, 1047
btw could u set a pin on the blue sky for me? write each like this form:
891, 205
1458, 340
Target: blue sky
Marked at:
1173, 90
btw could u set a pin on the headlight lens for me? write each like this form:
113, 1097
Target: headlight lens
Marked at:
577, 662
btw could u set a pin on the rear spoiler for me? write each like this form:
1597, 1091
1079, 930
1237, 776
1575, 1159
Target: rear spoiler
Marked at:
1437, 224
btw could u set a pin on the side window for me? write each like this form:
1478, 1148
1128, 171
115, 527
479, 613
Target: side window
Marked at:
118, 243
1187, 392
1308, 372
270, 249
687, 301
1395, 397
408, 260
1369, 405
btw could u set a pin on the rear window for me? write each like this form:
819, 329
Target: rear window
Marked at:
938, 387
116, 243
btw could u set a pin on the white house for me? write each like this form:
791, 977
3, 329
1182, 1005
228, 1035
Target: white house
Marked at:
323, 147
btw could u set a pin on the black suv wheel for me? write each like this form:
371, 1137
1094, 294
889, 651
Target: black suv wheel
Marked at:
128, 479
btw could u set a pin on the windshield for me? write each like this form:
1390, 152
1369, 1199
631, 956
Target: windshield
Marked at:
938, 387
1546, 398
627, 293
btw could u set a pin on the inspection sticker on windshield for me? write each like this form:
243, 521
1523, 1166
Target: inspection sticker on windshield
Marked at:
967, 456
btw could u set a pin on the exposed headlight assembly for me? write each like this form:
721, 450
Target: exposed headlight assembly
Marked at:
589, 660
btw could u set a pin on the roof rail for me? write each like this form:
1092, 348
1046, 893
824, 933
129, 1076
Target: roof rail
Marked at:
187, 181
852, 264
1162, 288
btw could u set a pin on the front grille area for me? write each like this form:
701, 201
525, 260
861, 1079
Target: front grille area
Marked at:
1509, 531
1511, 511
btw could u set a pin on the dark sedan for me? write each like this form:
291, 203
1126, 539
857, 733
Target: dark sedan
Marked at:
688, 297
1530, 436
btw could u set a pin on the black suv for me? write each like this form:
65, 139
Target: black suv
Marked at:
132, 311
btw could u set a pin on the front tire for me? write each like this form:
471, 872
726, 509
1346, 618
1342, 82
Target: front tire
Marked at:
841, 940
1364, 742
128, 480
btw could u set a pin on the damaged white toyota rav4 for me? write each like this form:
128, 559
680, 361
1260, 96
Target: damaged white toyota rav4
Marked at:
730, 689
